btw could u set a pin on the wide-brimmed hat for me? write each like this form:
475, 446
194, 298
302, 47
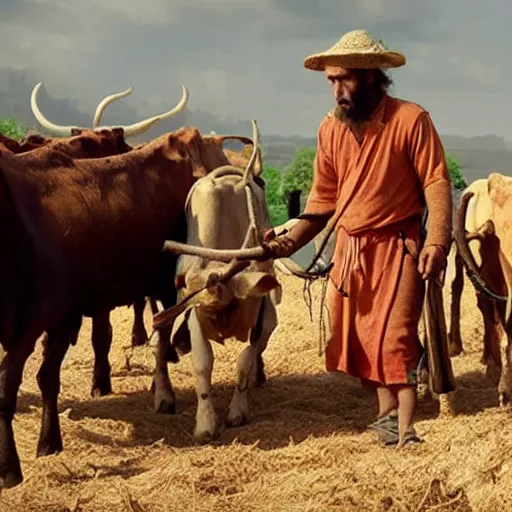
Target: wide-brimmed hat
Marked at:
357, 49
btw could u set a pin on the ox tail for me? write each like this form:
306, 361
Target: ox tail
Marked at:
462, 240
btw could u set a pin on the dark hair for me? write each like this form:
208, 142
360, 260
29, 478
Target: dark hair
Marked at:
382, 81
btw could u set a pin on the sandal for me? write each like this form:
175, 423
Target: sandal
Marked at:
386, 428
410, 438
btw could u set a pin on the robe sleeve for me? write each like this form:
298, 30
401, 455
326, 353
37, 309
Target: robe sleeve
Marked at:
426, 152
428, 157
324, 190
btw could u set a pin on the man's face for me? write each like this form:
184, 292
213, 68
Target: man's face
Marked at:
352, 91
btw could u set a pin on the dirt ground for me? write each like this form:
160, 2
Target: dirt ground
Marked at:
305, 448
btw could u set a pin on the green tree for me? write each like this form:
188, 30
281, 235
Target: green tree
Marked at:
456, 176
12, 129
299, 175
277, 207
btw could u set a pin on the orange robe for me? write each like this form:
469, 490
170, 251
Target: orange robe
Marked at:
378, 186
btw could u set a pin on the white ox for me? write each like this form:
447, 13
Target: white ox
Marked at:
483, 244
226, 210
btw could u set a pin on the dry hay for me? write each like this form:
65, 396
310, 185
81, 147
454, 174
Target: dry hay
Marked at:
305, 447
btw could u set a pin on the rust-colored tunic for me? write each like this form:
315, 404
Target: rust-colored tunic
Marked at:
378, 186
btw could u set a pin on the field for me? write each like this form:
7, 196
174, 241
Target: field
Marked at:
305, 448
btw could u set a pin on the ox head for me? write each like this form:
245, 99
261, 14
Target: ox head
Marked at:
129, 130
490, 229
226, 210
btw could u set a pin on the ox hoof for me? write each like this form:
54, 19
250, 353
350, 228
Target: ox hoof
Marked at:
258, 377
504, 400
47, 449
454, 350
237, 420
10, 478
101, 389
206, 437
139, 339
165, 404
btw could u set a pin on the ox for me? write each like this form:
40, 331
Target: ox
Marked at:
81, 238
484, 247
225, 210
99, 142
238, 159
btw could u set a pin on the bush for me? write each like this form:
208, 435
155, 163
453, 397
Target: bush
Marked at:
458, 180
12, 129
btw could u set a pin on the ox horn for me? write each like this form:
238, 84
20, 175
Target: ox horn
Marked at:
140, 127
61, 130
105, 102
256, 152
461, 240
130, 130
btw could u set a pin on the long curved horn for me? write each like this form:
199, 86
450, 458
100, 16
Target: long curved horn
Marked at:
56, 129
105, 102
467, 258
140, 127
255, 151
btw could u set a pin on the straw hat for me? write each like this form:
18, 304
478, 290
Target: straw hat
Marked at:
357, 49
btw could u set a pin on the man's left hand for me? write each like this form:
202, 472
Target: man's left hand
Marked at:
432, 261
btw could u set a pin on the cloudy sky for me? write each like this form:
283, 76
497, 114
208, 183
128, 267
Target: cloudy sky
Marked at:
243, 58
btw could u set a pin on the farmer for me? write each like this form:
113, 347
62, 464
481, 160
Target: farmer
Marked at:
379, 162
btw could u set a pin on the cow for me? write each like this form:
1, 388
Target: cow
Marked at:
225, 210
483, 246
79, 239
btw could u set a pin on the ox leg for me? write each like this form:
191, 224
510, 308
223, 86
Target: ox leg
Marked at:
48, 379
491, 356
154, 305
101, 342
457, 285
139, 333
250, 363
207, 424
11, 371
165, 398
505, 385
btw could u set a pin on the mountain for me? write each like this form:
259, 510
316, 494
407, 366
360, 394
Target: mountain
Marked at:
478, 156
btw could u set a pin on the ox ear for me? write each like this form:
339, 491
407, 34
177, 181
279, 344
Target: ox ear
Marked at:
253, 284
76, 131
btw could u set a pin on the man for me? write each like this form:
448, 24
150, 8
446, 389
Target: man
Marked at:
379, 161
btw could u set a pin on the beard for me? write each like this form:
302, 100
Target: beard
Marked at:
363, 104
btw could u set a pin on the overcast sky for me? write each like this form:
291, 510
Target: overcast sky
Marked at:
243, 58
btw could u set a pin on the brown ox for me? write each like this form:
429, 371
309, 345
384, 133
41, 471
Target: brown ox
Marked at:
225, 210
484, 247
84, 143
81, 238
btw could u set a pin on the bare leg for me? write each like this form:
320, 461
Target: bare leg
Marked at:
387, 401
406, 396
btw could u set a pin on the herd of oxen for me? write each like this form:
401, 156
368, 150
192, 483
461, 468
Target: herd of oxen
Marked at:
90, 223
